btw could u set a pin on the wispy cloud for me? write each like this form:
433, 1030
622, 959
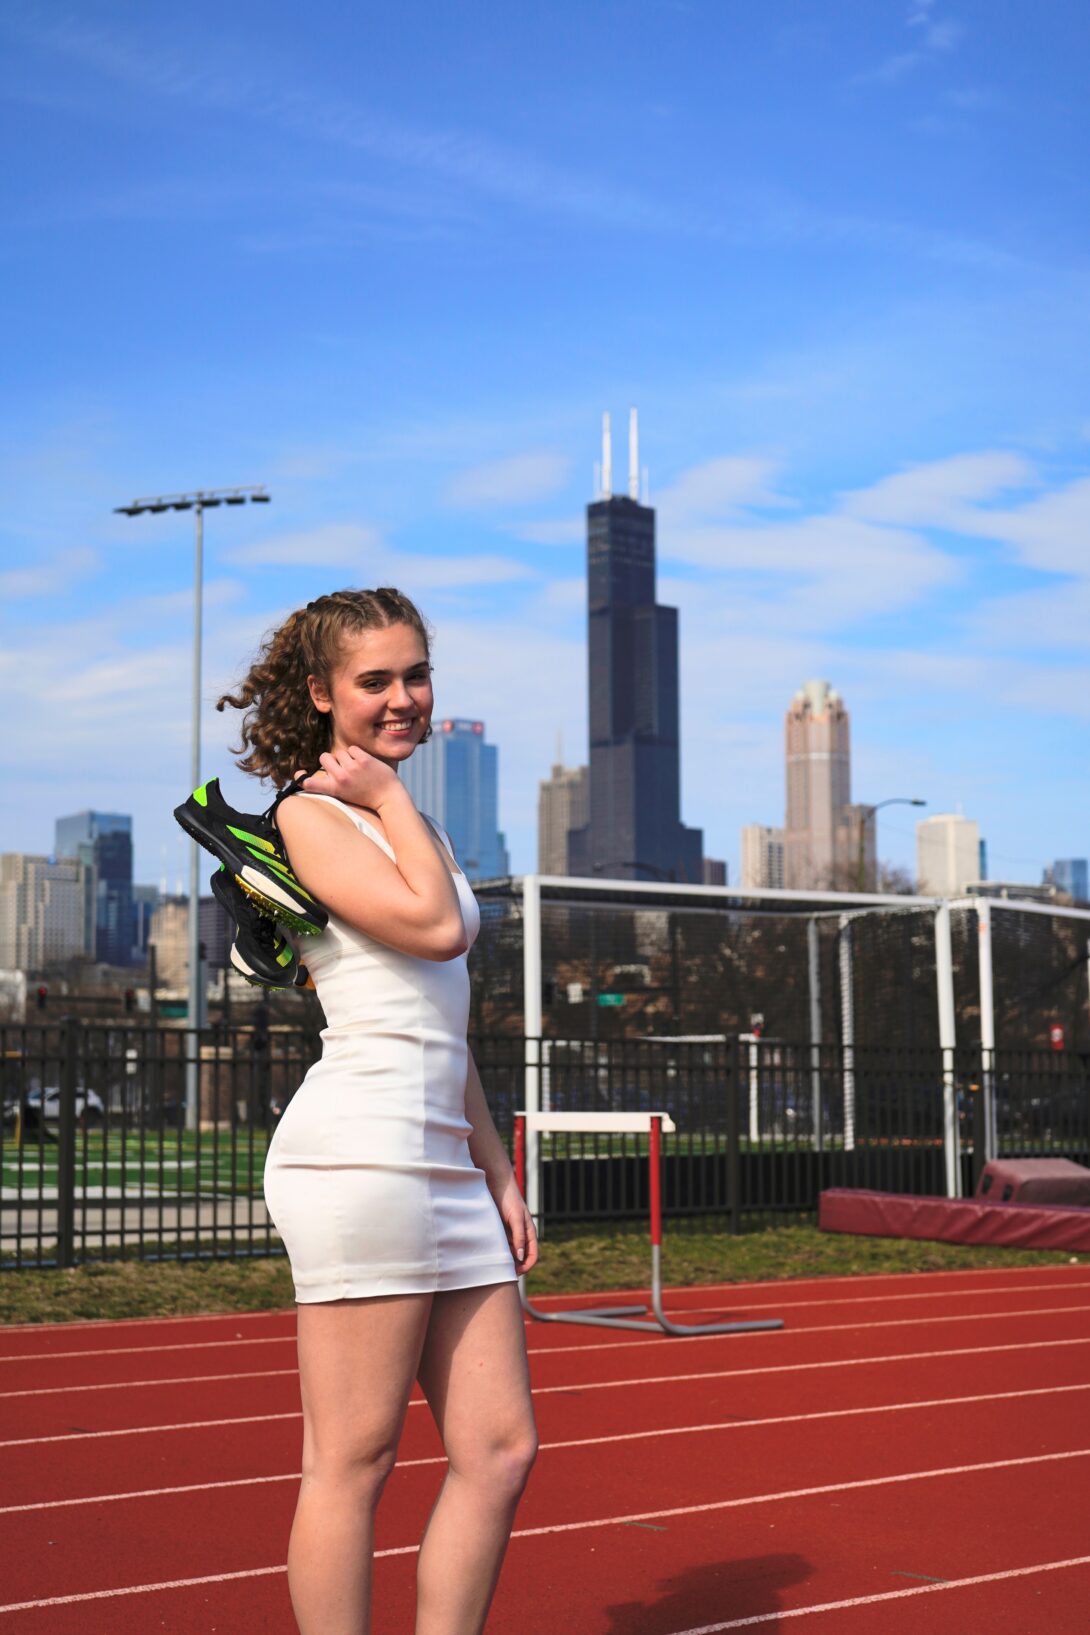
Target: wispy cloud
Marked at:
519, 479
486, 167
932, 37
554, 531
362, 552
50, 578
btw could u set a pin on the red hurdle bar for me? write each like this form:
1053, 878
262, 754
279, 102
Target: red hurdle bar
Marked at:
626, 1316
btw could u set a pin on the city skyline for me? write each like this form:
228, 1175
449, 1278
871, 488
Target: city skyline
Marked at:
837, 262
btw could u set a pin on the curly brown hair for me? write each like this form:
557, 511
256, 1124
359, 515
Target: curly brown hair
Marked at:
282, 732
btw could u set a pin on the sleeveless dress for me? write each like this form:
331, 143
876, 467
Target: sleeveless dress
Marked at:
368, 1178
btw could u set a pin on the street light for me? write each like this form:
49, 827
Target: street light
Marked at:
199, 501
865, 815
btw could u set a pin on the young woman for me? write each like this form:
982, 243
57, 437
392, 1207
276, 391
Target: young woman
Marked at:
386, 1178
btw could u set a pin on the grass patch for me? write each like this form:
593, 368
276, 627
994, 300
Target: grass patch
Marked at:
570, 1264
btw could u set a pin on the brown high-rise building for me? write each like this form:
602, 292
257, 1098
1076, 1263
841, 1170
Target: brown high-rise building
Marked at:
821, 832
562, 805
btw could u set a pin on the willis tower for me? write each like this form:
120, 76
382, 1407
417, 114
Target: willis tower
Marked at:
634, 830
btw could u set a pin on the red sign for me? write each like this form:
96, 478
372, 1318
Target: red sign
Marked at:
1056, 1035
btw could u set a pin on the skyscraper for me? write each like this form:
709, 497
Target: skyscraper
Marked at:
634, 829
1070, 874
821, 832
454, 778
42, 912
103, 841
561, 807
947, 854
762, 857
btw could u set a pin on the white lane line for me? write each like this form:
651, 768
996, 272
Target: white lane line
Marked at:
919, 1321
609, 1345
574, 1386
889, 1595
740, 1309
589, 1525
573, 1442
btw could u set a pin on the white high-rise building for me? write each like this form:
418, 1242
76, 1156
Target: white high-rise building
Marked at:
42, 911
947, 854
762, 857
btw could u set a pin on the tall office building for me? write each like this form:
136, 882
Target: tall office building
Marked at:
103, 842
634, 829
562, 806
1070, 874
42, 911
762, 857
947, 854
454, 778
715, 872
822, 828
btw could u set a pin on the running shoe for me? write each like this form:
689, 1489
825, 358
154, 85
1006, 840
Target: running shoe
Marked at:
258, 952
252, 850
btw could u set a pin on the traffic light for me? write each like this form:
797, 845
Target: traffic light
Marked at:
130, 999
42, 995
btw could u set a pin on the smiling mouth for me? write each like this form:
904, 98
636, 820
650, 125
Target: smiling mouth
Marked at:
400, 728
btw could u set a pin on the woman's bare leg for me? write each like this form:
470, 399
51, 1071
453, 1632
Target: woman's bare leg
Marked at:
475, 1376
357, 1363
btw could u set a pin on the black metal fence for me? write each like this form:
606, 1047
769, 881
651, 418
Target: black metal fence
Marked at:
96, 1160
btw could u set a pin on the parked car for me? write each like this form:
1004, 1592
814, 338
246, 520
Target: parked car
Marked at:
44, 1106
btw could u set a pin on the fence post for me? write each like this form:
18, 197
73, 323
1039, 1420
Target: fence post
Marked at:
978, 1099
813, 963
66, 1143
531, 1028
847, 1029
990, 1145
944, 975
734, 1163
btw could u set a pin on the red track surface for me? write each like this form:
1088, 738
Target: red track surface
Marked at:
910, 1455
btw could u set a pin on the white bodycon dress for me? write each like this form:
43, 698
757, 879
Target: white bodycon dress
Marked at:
369, 1179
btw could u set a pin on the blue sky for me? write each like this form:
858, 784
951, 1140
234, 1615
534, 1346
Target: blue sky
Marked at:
394, 262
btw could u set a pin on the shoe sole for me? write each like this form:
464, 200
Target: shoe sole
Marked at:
268, 896
254, 979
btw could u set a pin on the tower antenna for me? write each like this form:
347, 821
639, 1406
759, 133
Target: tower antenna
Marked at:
633, 456
607, 458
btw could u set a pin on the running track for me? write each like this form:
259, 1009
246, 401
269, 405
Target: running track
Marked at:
911, 1455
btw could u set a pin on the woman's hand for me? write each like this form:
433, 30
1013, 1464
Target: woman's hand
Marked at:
519, 1226
353, 776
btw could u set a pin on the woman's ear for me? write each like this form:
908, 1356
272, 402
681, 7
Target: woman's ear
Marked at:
319, 695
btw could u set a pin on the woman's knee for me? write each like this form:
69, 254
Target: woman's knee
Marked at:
362, 1467
501, 1463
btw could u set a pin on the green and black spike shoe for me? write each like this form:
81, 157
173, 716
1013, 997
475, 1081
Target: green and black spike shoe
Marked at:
253, 851
258, 952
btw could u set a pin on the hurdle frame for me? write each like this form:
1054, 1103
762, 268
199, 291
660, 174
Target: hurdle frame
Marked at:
652, 1124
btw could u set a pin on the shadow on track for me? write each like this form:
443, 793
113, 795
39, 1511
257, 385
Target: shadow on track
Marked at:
711, 1595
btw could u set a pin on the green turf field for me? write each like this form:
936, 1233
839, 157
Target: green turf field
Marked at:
179, 1164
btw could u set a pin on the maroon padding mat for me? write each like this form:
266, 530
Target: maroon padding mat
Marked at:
949, 1220
1035, 1181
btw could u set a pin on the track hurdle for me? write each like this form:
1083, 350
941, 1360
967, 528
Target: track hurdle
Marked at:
653, 1125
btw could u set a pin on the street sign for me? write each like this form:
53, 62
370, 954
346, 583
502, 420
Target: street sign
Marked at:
611, 999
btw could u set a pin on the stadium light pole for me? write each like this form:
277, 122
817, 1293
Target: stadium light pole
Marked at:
198, 501
866, 815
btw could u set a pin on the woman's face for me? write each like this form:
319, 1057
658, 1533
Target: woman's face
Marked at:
380, 695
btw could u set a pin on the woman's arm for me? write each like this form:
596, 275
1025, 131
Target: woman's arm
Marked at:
410, 905
488, 1153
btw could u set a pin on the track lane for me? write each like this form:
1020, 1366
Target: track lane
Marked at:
576, 1484
160, 1457
38, 1379
686, 1570
277, 1392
